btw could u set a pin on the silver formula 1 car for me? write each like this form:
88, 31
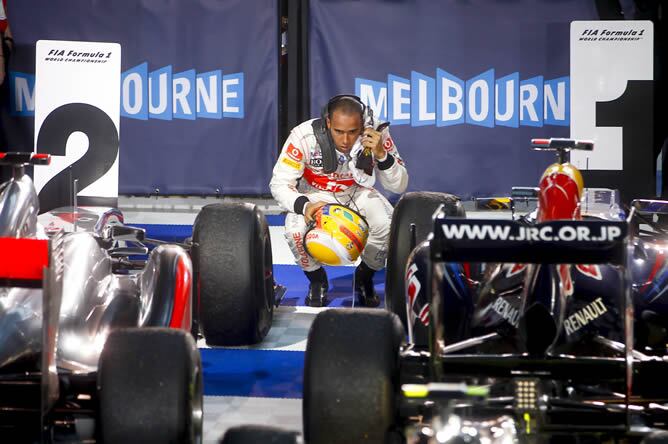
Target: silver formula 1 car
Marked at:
546, 328
97, 331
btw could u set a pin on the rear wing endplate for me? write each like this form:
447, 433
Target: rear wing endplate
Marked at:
25, 159
23, 261
650, 206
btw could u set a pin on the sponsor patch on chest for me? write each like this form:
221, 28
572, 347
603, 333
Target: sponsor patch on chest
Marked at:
294, 153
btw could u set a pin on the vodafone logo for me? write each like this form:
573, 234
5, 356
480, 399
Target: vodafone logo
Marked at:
294, 153
299, 246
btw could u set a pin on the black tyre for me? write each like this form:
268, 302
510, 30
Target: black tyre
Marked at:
351, 376
234, 272
413, 208
149, 385
252, 434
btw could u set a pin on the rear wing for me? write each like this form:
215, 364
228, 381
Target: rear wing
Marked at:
39, 263
23, 262
556, 242
19, 159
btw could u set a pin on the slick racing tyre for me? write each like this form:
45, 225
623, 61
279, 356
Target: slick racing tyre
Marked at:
233, 273
252, 434
413, 208
351, 376
149, 384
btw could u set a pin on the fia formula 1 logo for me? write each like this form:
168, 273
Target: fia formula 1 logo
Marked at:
69, 55
603, 34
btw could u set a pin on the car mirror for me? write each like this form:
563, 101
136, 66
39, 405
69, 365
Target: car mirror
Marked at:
128, 251
650, 206
125, 233
530, 193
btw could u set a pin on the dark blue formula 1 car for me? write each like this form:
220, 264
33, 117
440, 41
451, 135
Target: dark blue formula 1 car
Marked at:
547, 328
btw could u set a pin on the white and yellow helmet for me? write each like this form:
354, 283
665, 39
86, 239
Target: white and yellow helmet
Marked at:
337, 236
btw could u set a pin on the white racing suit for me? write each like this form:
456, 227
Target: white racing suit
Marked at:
301, 158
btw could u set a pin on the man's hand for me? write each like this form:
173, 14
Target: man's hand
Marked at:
371, 139
311, 208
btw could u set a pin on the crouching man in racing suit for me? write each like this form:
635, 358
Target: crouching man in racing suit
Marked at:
304, 158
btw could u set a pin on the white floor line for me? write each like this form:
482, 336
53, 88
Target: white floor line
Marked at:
159, 217
224, 412
288, 332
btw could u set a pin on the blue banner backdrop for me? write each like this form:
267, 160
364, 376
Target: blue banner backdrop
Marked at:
466, 85
199, 86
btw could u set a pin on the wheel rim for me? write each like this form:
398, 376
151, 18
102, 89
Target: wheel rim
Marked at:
266, 291
268, 272
196, 404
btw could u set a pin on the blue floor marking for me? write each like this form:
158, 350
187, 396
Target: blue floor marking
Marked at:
276, 220
177, 233
258, 373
